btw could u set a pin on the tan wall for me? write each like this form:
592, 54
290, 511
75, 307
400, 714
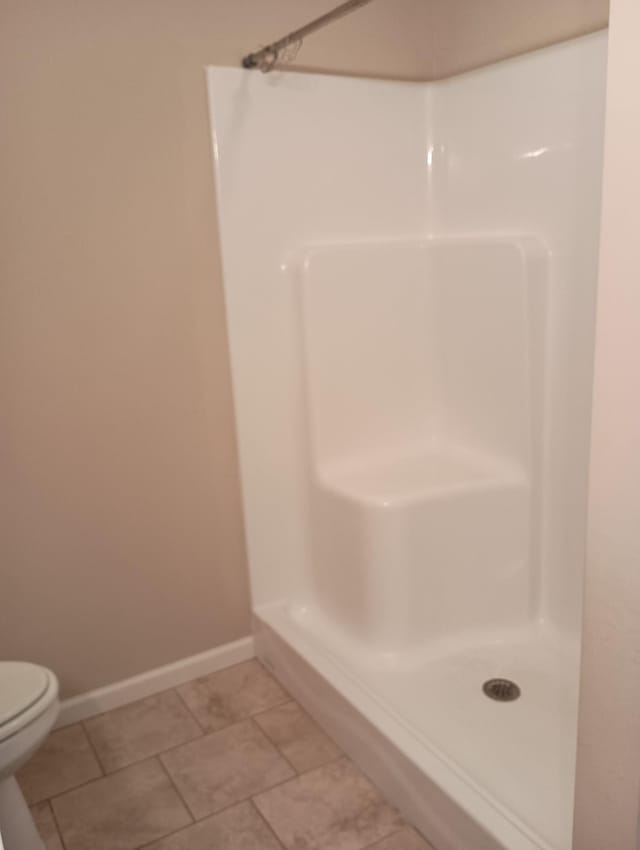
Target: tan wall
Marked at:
122, 544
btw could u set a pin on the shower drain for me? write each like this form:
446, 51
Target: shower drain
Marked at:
502, 690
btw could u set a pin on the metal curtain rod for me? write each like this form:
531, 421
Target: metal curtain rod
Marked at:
266, 57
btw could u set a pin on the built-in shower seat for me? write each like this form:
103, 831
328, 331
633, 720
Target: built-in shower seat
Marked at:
435, 473
420, 546
423, 403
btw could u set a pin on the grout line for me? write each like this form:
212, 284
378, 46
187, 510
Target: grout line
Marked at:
313, 721
164, 837
212, 816
177, 790
241, 802
206, 734
118, 708
273, 707
98, 778
189, 709
296, 702
386, 838
296, 777
266, 822
180, 829
276, 705
66, 790
203, 736
57, 826
92, 747
341, 752
117, 770
224, 809
274, 745
252, 799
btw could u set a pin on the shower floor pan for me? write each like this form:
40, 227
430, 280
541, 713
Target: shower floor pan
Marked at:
468, 770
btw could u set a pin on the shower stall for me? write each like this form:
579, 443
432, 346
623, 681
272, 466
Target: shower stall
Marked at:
410, 275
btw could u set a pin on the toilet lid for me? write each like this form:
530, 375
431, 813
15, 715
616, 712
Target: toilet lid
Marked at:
21, 685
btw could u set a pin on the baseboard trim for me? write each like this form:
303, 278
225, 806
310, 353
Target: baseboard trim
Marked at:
152, 681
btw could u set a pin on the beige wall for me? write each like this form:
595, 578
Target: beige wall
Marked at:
121, 539
608, 775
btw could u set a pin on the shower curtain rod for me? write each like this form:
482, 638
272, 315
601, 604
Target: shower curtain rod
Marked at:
266, 57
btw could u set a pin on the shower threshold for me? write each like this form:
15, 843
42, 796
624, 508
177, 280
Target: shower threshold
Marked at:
468, 770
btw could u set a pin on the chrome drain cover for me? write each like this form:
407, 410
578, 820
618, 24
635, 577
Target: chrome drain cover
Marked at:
501, 690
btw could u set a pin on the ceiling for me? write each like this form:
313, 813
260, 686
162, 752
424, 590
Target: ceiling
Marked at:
420, 39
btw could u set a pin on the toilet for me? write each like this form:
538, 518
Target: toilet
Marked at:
28, 709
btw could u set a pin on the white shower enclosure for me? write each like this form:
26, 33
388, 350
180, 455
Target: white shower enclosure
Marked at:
410, 276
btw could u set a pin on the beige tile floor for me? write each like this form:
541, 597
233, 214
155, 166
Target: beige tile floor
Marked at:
226, 762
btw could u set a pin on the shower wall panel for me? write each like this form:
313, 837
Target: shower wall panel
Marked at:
519, 148
299, 159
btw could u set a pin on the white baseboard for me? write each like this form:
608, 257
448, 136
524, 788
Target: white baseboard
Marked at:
137, 687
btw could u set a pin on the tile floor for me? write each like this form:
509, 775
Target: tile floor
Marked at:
226, 762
